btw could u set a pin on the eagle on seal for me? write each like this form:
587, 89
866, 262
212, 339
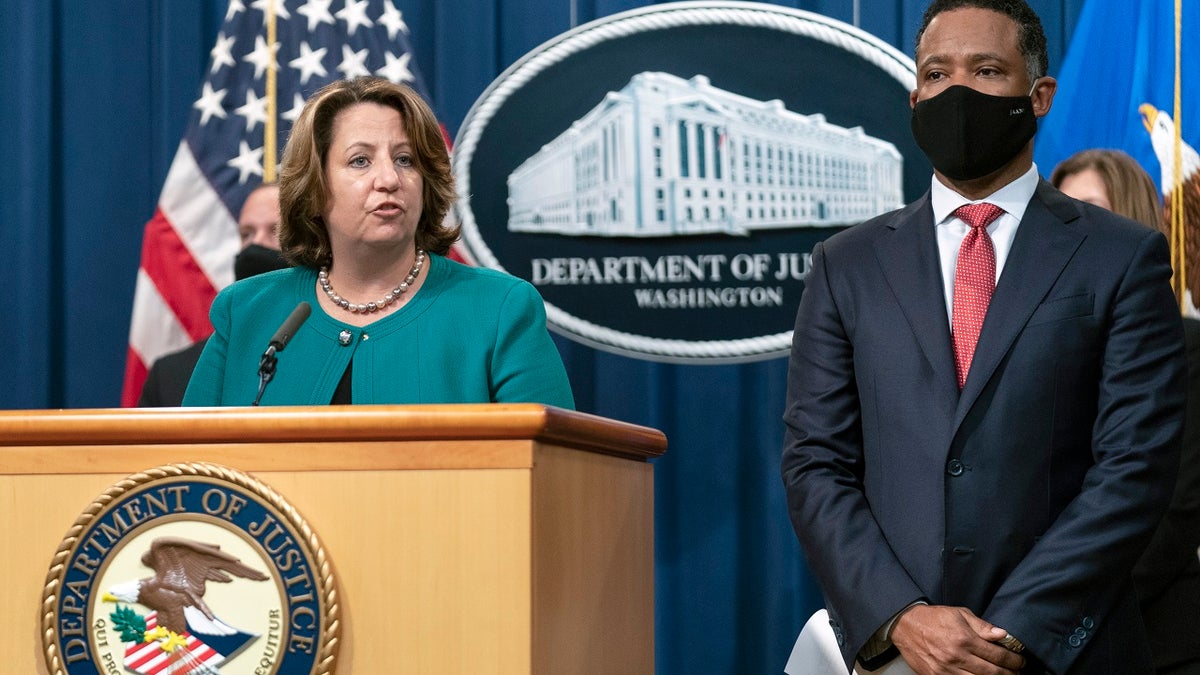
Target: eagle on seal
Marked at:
176, 591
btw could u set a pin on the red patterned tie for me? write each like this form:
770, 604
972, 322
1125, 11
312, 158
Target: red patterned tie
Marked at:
974, 281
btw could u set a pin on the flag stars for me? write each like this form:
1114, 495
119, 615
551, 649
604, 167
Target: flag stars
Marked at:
355, 15
209, 104
297, 105
248, 161
317, 12
254, 110
354, 64
262, 55
222, 52
235, 6
396, 69
309, 62
393, 19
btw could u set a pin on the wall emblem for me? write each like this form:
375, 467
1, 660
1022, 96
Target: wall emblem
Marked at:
190, 568
662, 175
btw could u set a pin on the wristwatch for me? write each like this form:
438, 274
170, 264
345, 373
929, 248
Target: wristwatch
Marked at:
1011, 643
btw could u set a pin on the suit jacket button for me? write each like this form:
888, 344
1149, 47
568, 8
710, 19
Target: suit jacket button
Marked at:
1088, 623
1080, 633
954, 467
1074, 640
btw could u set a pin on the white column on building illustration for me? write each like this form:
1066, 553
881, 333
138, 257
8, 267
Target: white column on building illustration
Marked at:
714, 144
694, 149
687, 155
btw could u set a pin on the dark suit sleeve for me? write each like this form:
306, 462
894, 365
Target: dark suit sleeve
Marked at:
1173, 548
151, 397
168, 378
1068, 585
864, 583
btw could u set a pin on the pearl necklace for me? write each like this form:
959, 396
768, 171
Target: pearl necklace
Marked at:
392, 296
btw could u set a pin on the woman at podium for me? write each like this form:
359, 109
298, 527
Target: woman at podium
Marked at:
365, 184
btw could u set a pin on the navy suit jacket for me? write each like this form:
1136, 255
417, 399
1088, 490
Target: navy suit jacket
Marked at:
1168, 575
168, 377
1028, 496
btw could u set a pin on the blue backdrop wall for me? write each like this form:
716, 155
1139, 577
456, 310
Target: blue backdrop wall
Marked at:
95, 99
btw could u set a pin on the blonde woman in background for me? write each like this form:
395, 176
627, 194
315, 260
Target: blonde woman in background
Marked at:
1112, 180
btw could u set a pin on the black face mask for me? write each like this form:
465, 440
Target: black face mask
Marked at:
256, 259
967, 134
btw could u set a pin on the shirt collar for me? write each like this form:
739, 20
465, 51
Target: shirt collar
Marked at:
1013, 198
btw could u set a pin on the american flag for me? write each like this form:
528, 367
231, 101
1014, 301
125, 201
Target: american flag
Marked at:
193, 656
189, 244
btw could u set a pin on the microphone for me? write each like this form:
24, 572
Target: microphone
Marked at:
266, 367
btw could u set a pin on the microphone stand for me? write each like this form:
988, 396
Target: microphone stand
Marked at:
266, 371
266, 367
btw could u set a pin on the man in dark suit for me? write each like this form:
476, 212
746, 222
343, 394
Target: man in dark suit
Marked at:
984, 404
258, 229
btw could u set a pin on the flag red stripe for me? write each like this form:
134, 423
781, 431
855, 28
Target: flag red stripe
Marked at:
140, 653
185, 287
454, 254
135, 377
138, 656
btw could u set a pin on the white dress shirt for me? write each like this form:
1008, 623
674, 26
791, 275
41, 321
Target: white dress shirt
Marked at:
1013, 198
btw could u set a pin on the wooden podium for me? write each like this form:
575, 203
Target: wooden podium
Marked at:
465, 539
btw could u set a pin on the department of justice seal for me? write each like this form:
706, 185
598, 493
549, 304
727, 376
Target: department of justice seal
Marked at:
190, 568
662, 175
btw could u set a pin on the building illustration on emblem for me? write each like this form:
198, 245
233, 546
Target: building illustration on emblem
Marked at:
665, 156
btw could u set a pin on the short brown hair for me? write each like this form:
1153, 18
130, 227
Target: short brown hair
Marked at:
303, 193
1131, 190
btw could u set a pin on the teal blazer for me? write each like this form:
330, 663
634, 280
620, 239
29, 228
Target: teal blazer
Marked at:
469, 335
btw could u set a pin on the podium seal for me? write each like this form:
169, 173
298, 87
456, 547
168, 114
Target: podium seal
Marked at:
190, 568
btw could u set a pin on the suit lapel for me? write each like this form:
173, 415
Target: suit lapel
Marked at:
1043, 246
909, 259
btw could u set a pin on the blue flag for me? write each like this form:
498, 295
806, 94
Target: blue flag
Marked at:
1117, 89
1121, 59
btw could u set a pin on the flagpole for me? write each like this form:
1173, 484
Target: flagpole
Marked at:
269, 135
1177, 225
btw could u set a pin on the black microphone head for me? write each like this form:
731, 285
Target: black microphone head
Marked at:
290, 326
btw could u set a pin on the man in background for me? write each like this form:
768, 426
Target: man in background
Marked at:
986, 390
258, 229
